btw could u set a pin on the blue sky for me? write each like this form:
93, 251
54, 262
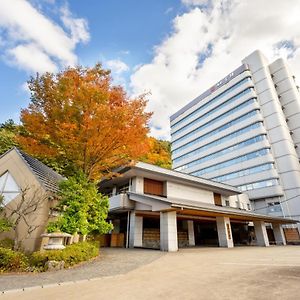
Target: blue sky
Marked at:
125, 30
174, 49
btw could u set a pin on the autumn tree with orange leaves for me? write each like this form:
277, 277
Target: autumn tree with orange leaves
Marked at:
79, 116
159, 153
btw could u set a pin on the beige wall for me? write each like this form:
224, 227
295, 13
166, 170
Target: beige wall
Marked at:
237, 201
137, 185
176, 190
13, 163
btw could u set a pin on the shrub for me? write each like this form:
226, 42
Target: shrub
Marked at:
7, 243
71, 255
12, 260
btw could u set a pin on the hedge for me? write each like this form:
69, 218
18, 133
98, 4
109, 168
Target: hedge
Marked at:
71, 255
13, 261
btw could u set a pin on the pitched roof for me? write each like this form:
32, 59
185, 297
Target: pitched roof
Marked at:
45, 175
179, 176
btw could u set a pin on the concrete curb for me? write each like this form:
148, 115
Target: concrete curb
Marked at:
30, 288
49, 285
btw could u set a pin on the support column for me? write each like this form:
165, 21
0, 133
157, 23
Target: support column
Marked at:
168, 231
114, 190
261, 233
191, 233
278, 234
135, 231
224, 232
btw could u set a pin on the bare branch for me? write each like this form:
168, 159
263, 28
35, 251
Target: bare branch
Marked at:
25, 212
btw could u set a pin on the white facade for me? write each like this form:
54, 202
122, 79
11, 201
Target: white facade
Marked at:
161, 208
245, 131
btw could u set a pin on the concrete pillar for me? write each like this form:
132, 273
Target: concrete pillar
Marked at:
224, 232
135, 231
279, 234
191, 232
168, 231
114, 190
261, 233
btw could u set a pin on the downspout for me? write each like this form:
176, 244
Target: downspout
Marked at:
127, 231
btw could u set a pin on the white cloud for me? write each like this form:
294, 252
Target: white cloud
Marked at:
117, 66
77, 26
25, 88
196, 2
119, 71
207, 44
22, 55
169, 10
26, 29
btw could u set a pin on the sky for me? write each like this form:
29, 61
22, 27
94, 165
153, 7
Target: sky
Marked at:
172, 49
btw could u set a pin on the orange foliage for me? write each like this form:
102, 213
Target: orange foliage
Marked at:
79, 115
159, 153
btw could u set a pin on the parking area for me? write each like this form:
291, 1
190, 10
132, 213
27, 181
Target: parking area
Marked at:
195, 273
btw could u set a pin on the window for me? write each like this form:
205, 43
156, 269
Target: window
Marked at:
253, 170
248, 206
153, 187
258, 185
217, 199
230, 162
214, 100
8, 187
217, 142
227, 203
211, 112
209, 123
274, 207
243, 144
213, 132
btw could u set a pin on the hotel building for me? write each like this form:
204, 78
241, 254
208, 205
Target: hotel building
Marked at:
245, 131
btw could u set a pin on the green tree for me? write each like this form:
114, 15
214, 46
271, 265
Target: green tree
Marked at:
83, 210
8, 132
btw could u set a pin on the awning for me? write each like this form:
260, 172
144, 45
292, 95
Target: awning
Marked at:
189, 207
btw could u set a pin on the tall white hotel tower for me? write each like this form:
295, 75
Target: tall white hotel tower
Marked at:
245, 131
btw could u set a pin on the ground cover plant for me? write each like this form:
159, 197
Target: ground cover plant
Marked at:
16, 261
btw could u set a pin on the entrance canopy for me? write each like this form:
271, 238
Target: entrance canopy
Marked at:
199, 209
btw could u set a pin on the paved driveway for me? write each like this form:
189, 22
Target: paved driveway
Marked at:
112, 261
199, 273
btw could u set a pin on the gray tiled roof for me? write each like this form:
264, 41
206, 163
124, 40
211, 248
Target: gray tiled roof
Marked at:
45, 175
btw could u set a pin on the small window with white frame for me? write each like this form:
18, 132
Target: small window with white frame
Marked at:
8, 188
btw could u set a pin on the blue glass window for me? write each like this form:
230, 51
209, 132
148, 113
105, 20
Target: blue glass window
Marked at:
253, 170
217, 142
214, 100
222, 152
230, 162
258, 185
211, 112
209, 123
213, 132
